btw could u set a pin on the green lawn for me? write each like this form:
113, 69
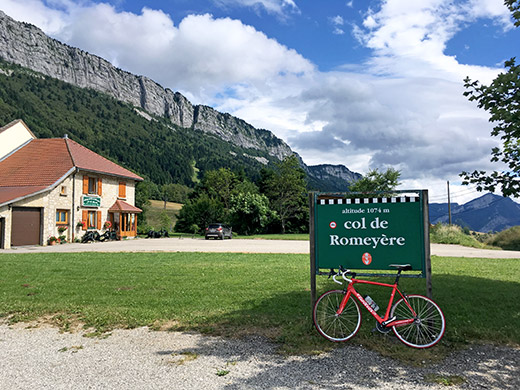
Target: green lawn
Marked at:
233, 294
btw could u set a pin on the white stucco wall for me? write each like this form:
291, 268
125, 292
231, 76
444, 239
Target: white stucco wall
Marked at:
13, 137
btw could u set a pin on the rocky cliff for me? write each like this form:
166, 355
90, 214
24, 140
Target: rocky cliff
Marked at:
26, 45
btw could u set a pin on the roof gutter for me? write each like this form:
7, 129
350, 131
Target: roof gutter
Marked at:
138, 178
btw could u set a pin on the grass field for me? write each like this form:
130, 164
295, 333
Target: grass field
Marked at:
233, 294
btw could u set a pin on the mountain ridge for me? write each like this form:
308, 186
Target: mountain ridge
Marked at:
488, 213
28, 46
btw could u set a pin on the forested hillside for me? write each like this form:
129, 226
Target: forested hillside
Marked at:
152, 147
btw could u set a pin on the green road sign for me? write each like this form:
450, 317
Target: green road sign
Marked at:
369, 232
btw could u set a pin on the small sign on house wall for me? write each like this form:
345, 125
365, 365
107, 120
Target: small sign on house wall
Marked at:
90, 201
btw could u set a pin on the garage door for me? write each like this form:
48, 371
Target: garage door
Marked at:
26, 226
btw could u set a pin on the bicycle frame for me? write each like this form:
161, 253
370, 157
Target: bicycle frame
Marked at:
382, 320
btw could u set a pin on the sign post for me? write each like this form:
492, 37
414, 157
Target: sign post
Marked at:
369, 232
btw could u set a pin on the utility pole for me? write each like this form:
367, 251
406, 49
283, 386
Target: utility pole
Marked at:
449, 203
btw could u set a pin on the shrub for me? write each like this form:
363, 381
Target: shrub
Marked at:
453, 234
165, 220
508, 239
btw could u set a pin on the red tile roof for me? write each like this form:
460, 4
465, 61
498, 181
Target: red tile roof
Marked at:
121, 206
42, 163
86, 159
39, 163
12, 193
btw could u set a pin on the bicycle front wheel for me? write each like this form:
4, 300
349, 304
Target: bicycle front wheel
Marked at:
428, 326
329, 324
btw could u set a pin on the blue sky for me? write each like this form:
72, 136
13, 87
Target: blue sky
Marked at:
366, 84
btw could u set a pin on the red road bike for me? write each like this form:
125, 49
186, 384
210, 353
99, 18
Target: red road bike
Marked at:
416, 320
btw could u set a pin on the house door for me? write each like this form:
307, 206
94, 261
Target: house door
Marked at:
26, 226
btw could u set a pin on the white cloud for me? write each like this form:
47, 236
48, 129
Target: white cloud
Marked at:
409, 39
337, 21
36, 12
202, 57
278, 7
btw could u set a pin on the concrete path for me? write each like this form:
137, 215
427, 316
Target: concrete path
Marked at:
241, 246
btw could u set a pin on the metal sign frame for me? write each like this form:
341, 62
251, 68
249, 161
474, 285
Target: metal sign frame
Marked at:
369, 231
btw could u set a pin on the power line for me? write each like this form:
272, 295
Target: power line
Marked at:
454, 194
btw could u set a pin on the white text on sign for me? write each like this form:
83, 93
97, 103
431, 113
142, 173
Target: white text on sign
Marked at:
361, 224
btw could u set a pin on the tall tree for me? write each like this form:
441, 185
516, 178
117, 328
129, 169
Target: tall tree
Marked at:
249, 212
197, 213
375, 181
502, 100
286, 189
220, 184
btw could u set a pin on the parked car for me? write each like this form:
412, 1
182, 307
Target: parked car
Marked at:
218, 230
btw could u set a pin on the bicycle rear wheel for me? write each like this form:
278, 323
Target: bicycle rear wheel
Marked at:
427, 328
332, 326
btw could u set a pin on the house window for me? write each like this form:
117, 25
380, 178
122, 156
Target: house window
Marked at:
128, 222
62, 217
92, 185
63, 190
91, 220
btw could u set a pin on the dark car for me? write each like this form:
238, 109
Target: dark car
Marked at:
218, 230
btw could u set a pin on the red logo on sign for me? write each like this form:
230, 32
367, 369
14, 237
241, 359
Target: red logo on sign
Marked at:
366, 258
332, 225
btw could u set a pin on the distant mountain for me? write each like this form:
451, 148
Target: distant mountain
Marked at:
489, 213
177, 131
334, 178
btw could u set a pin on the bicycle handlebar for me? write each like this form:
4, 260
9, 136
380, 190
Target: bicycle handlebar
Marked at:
342, 272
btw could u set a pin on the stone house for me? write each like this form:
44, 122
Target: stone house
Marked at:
57, 187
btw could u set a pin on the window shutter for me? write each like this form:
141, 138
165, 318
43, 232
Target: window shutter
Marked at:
98, 219
85, 218
122, 189
85, 185
99, 190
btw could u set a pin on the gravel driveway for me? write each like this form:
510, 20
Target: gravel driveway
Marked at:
40, 357
43, 358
